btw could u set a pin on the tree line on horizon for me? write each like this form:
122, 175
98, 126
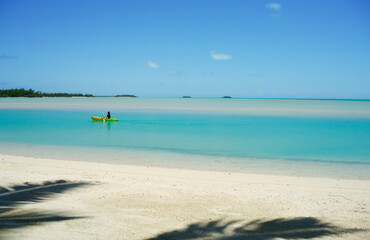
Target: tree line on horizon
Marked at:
21, 92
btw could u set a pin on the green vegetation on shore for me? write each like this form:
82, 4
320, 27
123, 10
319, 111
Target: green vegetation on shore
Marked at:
126, 95
21, 92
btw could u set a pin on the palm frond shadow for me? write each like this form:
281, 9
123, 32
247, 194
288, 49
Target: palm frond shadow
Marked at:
286, 228
13, 197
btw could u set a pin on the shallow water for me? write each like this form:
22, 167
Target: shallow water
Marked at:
225, 133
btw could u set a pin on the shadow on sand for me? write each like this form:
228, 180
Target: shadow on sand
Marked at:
13, 197
295, 228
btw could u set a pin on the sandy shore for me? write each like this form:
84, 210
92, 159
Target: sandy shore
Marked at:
57, 199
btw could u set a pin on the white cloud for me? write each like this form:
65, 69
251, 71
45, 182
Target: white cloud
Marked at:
220, 56
274, 6
172, 71
152, 64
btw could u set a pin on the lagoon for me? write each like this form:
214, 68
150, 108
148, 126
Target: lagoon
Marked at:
299, 137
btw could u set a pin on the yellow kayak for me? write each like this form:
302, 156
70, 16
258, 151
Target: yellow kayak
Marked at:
103, 119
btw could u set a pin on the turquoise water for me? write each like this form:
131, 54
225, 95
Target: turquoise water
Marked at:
315, 133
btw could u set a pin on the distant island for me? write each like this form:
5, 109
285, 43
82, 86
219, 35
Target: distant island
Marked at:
226, 97
126, 95
186, 96
30, 93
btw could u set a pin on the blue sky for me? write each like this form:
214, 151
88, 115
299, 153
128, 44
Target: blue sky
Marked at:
204, 48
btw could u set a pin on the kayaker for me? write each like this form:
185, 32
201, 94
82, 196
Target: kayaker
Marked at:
108, 115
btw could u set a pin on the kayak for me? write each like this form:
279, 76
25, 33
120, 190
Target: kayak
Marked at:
103, 119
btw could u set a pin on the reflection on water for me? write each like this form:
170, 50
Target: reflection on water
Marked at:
105, 124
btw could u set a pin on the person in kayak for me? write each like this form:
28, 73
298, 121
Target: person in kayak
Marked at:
108, 115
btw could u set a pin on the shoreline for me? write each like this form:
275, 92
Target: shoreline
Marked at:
142, 202
189, 161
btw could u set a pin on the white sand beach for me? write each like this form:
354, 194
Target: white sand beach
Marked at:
59, 199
